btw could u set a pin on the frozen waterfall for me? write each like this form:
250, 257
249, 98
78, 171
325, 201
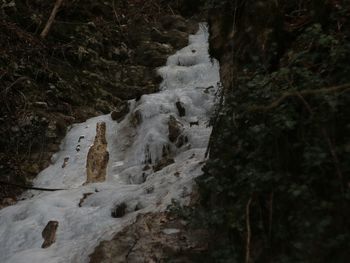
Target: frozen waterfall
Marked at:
136, 144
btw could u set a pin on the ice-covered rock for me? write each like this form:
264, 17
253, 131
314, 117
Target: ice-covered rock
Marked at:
98, 156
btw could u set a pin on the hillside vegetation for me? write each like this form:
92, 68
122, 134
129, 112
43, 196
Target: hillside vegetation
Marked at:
276, 187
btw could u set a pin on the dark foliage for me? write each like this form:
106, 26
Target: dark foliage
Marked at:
276, 187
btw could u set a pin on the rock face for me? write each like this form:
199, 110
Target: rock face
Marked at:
98, 156
153, 238
49, 234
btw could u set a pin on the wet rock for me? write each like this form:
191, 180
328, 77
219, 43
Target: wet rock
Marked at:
163, 163
98, 156
146, 167
181, 141
153, 238
49, 234
166, 150
136, 118
180, 108
85, 195
175, 128
119, 210
119, 114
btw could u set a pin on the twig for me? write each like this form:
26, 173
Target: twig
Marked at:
49, 23
171, 10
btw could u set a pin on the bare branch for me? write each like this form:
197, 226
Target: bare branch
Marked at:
49, 23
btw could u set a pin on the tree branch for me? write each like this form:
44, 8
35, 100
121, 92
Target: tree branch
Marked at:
49, 23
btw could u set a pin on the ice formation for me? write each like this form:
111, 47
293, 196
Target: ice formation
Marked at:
138, 142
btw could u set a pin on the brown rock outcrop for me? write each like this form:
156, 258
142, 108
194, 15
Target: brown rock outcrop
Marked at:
98, 156
159, 237
49, 234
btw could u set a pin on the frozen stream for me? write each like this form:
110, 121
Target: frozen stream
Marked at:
142, 138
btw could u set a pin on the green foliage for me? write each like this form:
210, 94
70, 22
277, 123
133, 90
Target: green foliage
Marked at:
280, 153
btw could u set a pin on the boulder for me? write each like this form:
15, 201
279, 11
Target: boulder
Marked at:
119, 113
98, 156
49, 234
